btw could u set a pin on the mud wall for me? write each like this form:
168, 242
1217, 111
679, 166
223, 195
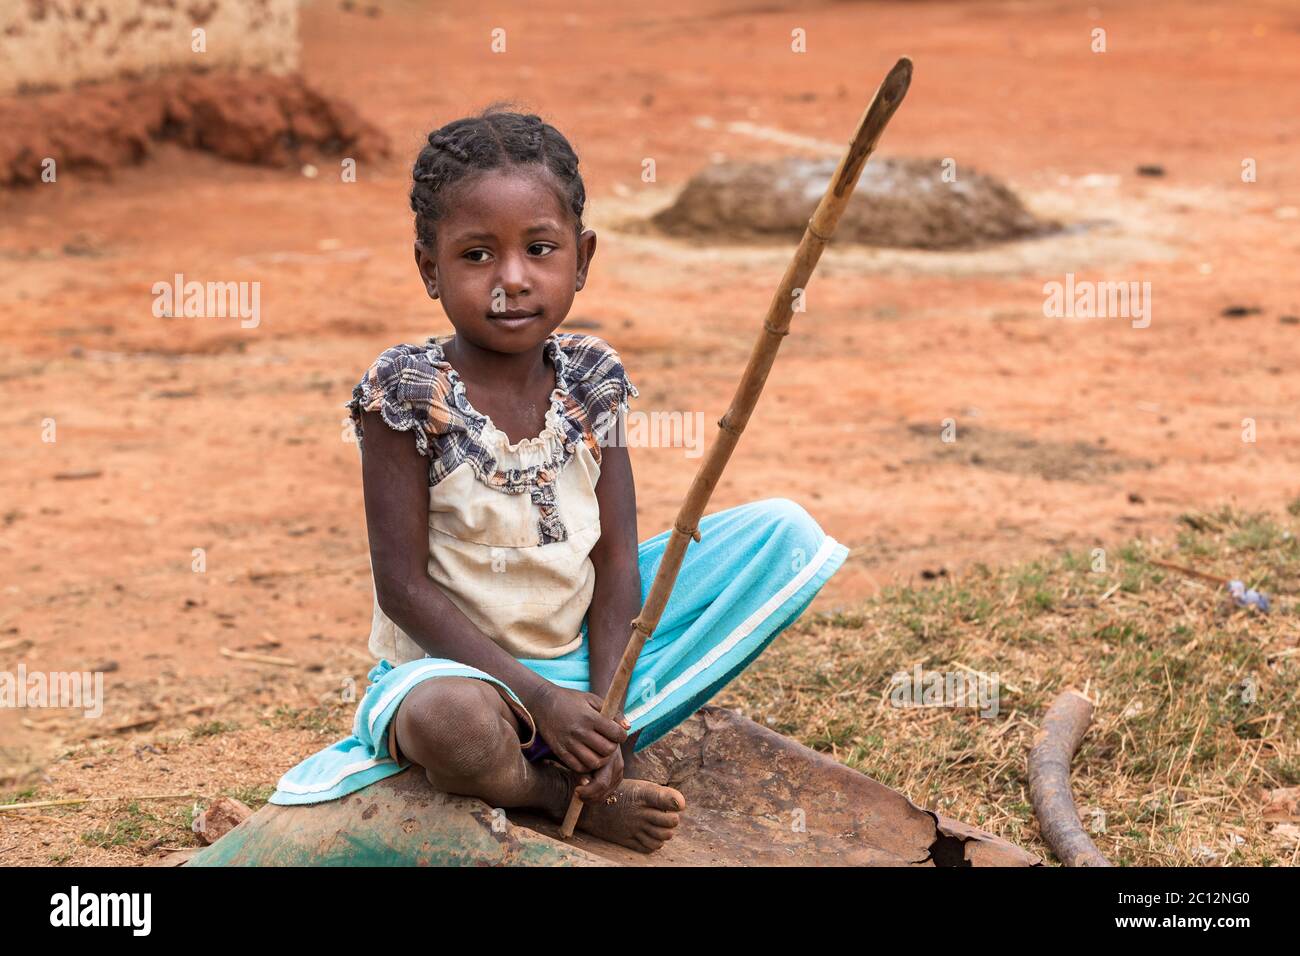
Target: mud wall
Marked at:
54, 44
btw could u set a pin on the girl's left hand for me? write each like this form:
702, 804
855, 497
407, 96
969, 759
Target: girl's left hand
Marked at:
606, 778
603, 781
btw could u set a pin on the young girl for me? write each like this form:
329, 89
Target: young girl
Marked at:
503, 529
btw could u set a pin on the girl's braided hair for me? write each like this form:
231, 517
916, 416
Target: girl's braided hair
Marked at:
491, 140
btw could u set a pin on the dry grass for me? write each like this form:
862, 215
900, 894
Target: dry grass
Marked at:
1197, 713
1179, 757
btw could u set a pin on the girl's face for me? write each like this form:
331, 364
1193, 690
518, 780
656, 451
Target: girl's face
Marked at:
507, 263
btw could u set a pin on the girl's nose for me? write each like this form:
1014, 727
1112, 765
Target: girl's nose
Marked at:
512, 275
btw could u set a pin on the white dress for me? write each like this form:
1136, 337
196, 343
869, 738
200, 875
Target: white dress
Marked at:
511, 526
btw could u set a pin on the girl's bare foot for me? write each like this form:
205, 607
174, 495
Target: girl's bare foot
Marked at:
638, 814
460, 730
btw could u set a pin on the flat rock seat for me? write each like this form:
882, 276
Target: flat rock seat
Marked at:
754, 798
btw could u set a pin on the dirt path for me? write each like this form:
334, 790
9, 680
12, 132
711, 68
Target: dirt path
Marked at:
204, 435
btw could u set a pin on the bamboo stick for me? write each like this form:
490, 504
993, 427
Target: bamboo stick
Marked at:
776, 325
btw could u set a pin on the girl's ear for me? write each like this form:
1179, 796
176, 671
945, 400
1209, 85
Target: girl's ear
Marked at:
428, 269
586, 250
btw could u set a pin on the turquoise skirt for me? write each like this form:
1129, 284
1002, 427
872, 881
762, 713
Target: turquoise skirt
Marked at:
755, 569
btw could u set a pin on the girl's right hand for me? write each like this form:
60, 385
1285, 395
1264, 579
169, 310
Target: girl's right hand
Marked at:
570, 721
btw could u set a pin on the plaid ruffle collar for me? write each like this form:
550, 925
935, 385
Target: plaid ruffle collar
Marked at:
414, 388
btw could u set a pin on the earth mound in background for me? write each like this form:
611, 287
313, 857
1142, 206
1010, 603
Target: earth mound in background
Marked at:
898, 202
257, 118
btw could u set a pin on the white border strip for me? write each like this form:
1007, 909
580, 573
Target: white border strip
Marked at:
318, 787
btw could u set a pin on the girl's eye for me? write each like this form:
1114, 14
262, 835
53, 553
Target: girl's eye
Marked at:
546, 247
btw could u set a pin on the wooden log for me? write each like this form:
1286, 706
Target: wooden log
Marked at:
1063, 728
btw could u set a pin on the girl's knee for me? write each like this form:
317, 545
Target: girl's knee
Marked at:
453, 727
792, 522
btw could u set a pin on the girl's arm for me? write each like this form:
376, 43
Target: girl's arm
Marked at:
395, 478
617, 596
615, 601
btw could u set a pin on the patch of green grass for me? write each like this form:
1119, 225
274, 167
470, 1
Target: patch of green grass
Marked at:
129, 829
212, 728
1133, 578
136, 826
254, 797
845, 619
1076, 561
1256, 532
334, 718
1287, 772
972, 608
1028, 577
1131, 552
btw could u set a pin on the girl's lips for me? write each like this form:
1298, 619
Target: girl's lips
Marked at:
512, 319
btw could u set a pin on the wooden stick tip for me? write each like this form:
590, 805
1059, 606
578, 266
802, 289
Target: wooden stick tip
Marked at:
898, 80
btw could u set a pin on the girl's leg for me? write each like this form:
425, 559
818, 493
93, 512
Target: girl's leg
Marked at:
466, 738
755, 570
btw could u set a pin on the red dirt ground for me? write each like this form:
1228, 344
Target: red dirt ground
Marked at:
202, 434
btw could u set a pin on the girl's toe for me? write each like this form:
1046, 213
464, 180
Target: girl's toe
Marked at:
661, 818
666, 798
662, 834
648, 843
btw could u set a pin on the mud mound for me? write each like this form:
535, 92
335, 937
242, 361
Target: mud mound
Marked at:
898, 202
262, 119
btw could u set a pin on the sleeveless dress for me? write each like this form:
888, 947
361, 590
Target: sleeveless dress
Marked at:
511, 528
510, 525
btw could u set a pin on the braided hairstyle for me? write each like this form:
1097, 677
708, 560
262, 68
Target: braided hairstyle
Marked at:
493, 139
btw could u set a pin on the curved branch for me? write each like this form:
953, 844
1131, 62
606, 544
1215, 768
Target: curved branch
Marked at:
1049, 780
